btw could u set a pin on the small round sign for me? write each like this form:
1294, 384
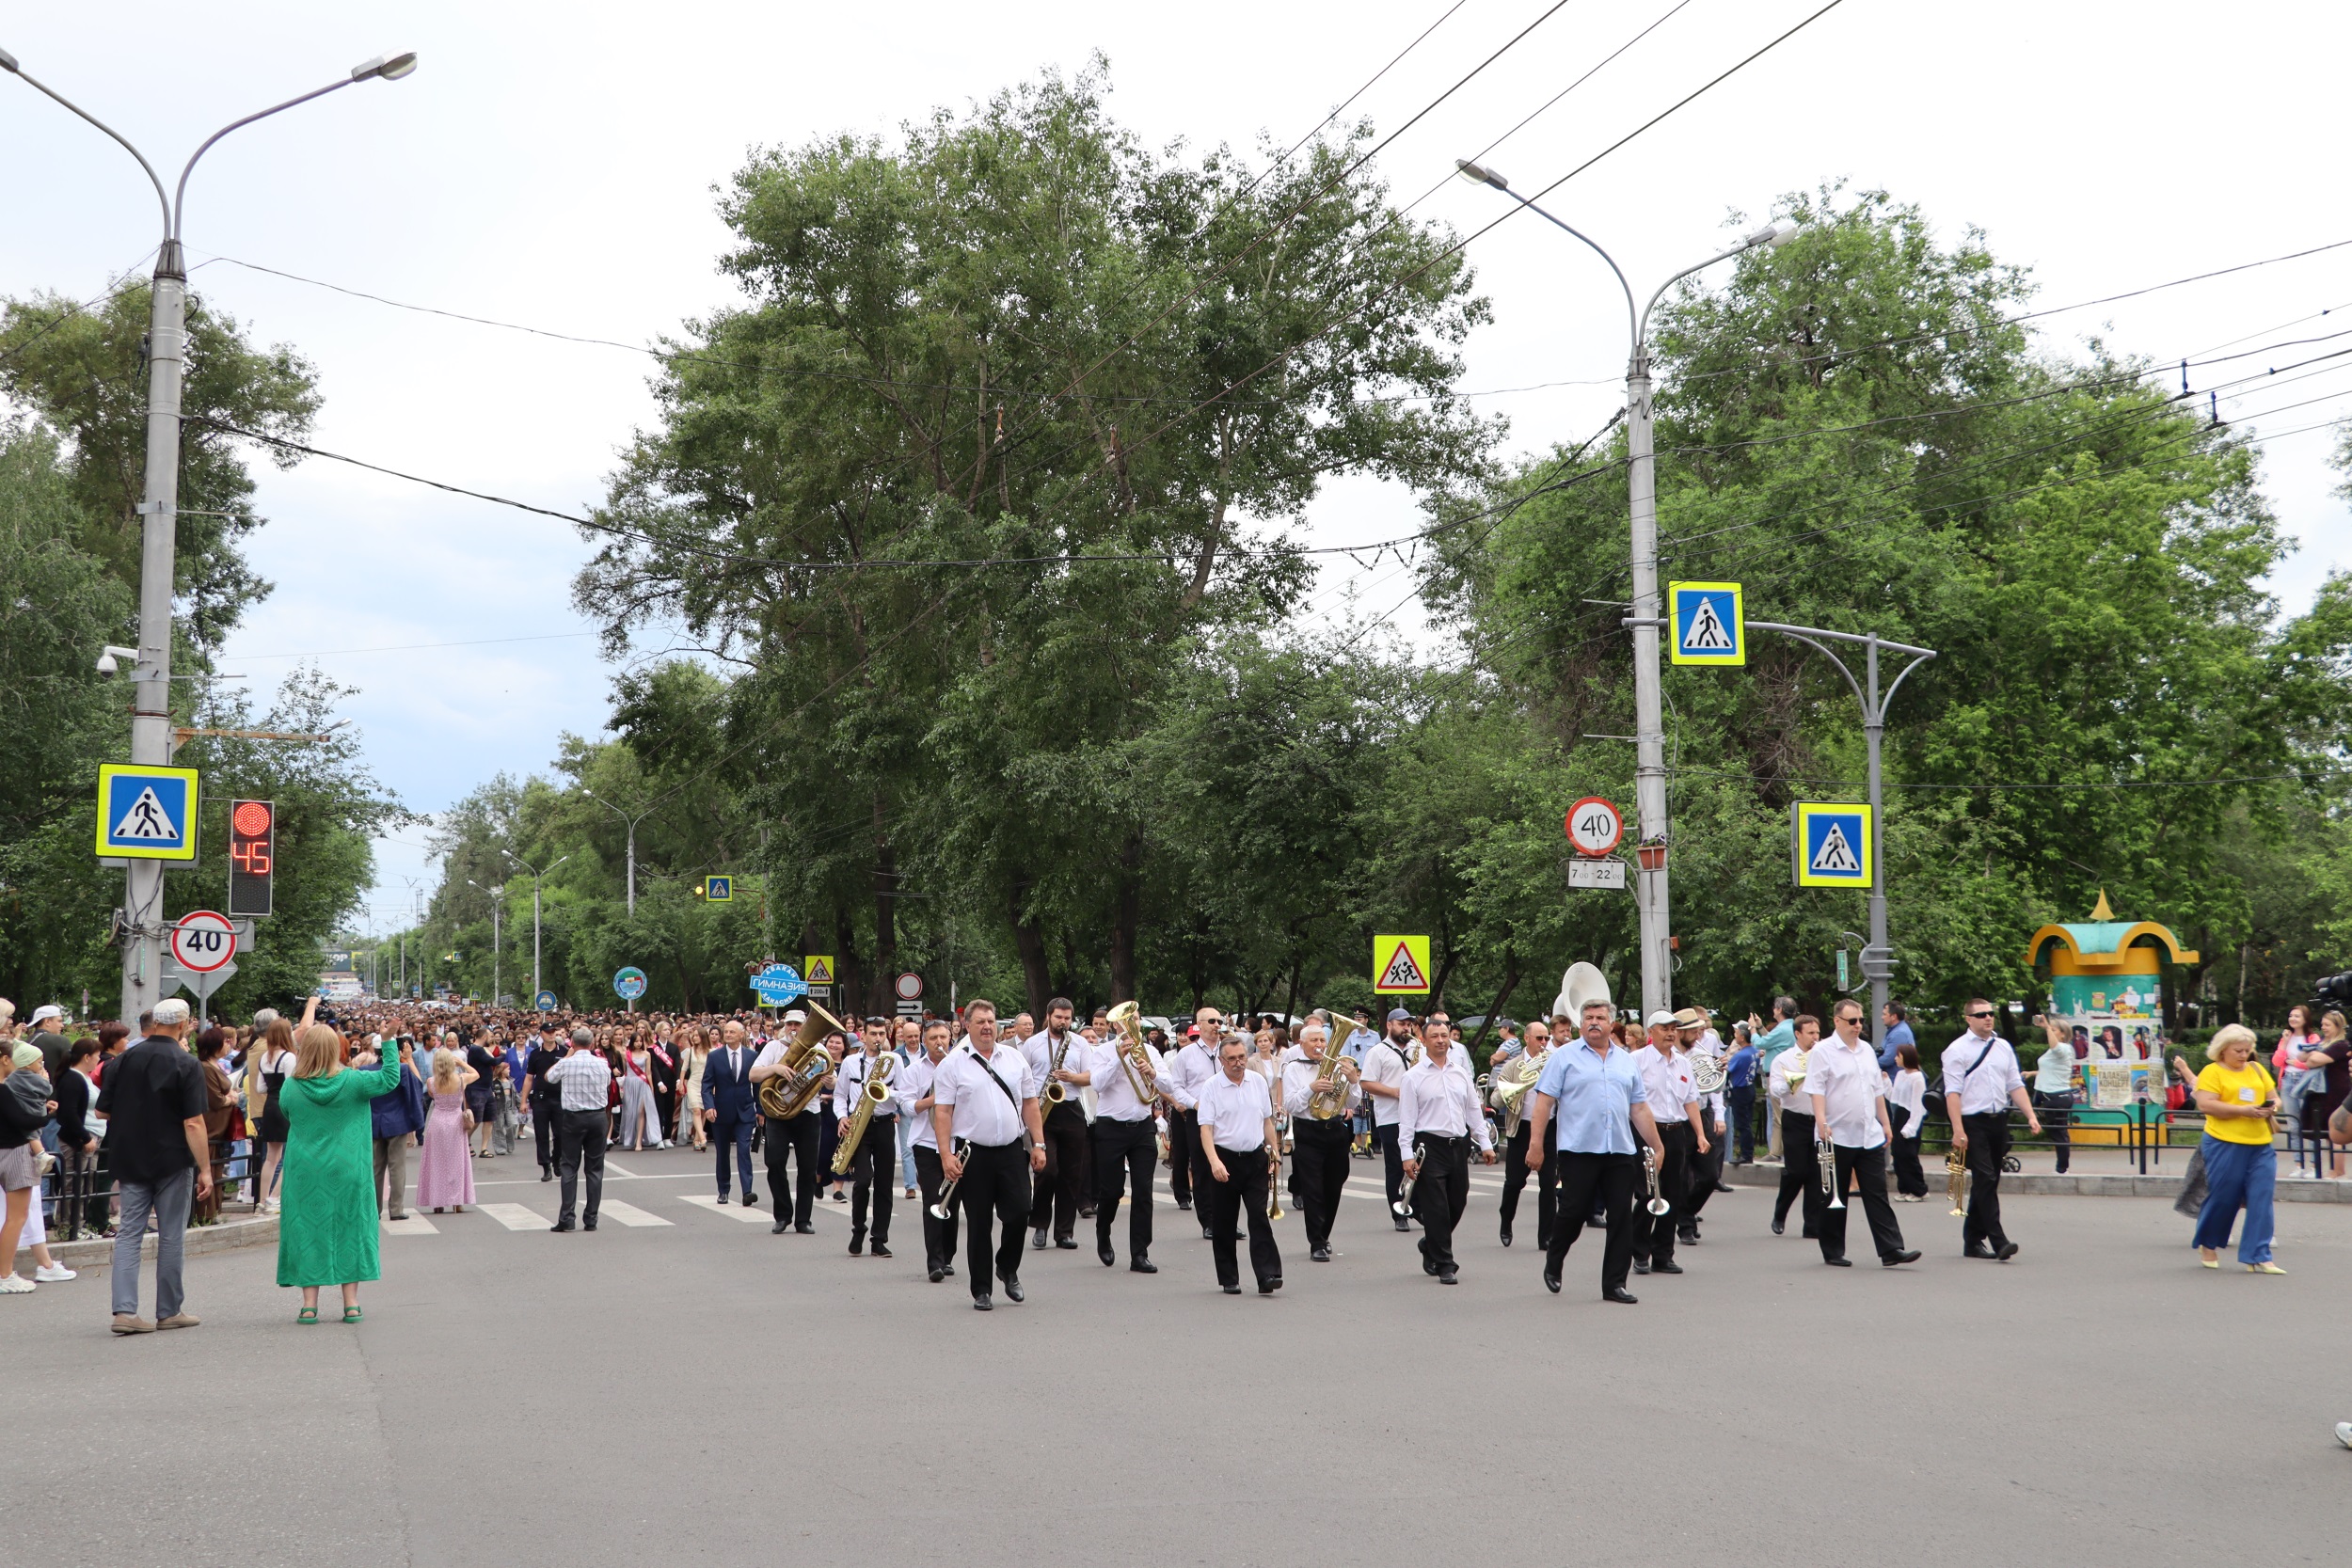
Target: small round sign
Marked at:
909, 987
544, 1001
629, 984
203, 941
1595, 826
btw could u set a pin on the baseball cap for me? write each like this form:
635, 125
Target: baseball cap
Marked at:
1661, 1016
1398, 1015
43, 1014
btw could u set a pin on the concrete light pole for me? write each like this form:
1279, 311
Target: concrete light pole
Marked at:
632, 822
535, 874
498, 907
1649, 726
150, 713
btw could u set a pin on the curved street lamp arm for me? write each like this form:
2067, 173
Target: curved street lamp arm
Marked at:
153, 178
1633, 323
179, 199
1642, 331
1887, 701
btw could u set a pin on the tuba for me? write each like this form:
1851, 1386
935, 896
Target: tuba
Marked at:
872, 1098
806, 1064
1135, 1058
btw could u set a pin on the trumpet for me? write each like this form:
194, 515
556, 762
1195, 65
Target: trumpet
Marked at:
1657, 1204
1956, 1181
1825, 1152
1404, 1204
1134, 1057
1273, 1188
875, 1095
946, 1208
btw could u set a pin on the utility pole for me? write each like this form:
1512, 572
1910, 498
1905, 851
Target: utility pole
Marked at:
535, 874
158, 510
632, 822
498, 905
1649, 725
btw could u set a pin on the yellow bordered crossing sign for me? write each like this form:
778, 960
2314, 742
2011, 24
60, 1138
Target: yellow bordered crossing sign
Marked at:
1400, 964
1706, 622
818, 969
1830, 845
147, 813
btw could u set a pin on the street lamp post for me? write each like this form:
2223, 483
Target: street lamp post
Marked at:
498, 907
535, 875
632, 822
1649, 727
150, 713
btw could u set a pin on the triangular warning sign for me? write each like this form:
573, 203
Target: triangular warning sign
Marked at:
819, 971
1708, 634
147, 822
1402, 972
1835, 854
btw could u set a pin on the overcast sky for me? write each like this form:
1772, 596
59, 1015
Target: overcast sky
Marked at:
554, 166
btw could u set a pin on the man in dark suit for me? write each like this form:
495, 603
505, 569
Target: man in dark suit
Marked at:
731, 1106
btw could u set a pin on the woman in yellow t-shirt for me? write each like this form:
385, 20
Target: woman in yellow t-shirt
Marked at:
2239, 1099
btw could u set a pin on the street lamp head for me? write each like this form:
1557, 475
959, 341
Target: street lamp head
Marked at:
7, 61
1479, 174
1774, 235
391, 67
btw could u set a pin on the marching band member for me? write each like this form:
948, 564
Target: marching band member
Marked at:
939, 1236
1057, 1055
1192, 1066
1800, 1166
874, 1165
1437, 1118
801, 1136
1673, 1097
1382, 1078
1516, 1164
1602, 1106
1236, 1116
1125, 1140
1848, 1094
1320, 1146
1977, 1100
984, 1109
1361, 1037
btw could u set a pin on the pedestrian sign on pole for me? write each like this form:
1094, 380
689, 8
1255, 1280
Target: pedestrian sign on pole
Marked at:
718, 890
819, 969
1400, 963
1830, 846
147, 813
1708, 622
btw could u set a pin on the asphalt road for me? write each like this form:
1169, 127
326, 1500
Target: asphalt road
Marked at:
700, 1389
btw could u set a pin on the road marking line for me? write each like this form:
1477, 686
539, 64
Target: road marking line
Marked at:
627, 1214
515, 1216
612, 1169
411, 1225
726, 1211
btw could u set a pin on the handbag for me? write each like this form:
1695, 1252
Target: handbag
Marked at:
465, 1119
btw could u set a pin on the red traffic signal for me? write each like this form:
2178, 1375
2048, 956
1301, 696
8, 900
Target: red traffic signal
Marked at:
252, 856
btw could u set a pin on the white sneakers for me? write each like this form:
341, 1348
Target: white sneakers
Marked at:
15, 1285
53, 1274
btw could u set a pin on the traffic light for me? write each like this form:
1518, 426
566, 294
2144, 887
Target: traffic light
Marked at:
252, 856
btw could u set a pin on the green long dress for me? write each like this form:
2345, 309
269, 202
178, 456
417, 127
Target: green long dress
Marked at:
326, 1226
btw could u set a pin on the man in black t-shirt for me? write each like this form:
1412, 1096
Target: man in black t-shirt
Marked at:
153, 1102
546, 1098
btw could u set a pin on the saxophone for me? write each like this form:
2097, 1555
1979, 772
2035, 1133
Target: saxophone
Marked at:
875, 1093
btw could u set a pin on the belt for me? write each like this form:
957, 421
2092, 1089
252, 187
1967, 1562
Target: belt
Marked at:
1442, 1137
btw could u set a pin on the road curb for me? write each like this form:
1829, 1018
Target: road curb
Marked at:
2290, 1189
201, 1239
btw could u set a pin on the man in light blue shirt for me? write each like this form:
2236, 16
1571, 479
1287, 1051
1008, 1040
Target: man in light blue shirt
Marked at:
1596, 1092
1769, 1044
1897, 1035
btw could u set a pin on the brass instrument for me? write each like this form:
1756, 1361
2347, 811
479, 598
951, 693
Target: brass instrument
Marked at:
806, 1064
1134, 1057
1404, 1204
1657, 1204
1708, 1073
1826, 1153
946, 1208
1956, 1181
1273, 1187
1055, 1090
1510, 1088
1328, 1097
875, 1095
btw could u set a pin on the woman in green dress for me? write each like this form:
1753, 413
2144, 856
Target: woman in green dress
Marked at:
327, 1230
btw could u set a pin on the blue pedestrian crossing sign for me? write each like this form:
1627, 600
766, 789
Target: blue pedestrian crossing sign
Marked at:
1708, 622
147, 813
719, 890
1830, 845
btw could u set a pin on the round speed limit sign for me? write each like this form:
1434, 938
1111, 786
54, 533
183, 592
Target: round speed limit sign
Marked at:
1595, 826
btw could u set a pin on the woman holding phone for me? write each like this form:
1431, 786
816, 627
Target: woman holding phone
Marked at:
2239, 1097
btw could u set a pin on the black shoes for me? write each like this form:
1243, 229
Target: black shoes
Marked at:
1896, 1260
857, 1245
1404, 1224
1507, 1235
938, 1273
1641, 1265
1780, 1228
1449, 1276
1619, 1294
1321, 1255
1066, 1243
1012, 1288
723, 1198
1185, 1204
1142, 1265
1268, 1287
1838, 1262
749, 1200
1552, 1282
881, 1249
1688, 1238
779, 1228
1723, 1186
546, 1174
1980, 1250
806, 1228
1036, 1240
1207, 1235
1668, 1267
1233, 1289
981, 1304
1103, 1250
587, 1225
560, 1226
2006, 1251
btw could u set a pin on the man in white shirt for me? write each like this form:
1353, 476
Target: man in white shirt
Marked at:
984, 1114
1438, 1118
939, 1235
1382, 1082
1848, 1094
1793, 1120
1236, 1116
1124, 1138
798, 1137
1320, 1146
1700, 1047
1980, 1083
1673, 1097
1191, 1068
1057, 1053
1361, 1037
873, 1165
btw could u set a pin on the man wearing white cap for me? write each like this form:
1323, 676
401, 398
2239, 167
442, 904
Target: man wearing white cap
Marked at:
46, 1023
1673, 1099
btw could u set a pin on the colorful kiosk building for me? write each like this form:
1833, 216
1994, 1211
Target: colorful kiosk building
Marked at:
2107, 1004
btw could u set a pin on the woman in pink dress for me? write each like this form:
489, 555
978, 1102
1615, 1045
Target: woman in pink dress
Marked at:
445, 1170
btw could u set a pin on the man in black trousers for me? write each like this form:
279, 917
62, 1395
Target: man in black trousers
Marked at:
1057, 1053
1236, 1112
1319, 1147
546, 1102
585, 1082
1598, 1097
984, 1115
1848, 1094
